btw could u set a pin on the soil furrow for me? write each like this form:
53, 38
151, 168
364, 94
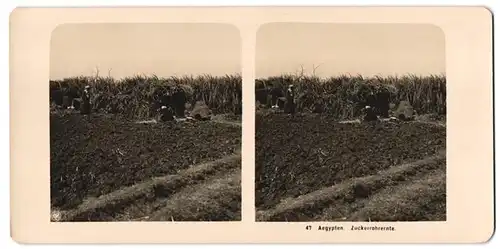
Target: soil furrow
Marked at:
103, 207
96, 155
296, 155
308, 206
218, 199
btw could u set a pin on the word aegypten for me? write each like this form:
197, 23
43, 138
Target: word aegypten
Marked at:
331, 228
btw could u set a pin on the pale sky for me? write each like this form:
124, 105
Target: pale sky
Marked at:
184, 49
366, 49
128, 49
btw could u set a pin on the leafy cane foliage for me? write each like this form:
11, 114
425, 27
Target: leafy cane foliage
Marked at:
342, 97
345, 96
139, 96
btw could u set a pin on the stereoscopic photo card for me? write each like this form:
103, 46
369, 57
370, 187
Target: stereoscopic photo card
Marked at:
252, 124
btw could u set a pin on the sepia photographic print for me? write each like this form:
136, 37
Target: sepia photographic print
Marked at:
145, 122
350, 122
211, 125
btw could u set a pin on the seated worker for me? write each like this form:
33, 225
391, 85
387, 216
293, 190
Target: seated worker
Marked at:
369, 114
166, 114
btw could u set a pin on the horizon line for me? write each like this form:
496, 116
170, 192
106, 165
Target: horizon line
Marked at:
348, 75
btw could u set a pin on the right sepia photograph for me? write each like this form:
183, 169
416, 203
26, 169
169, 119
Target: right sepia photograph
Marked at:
350, 122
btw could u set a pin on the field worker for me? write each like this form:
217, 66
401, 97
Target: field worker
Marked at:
166, 97
383, 103
371, 101
67, 98
179, 102
276, 93
290, 99
166, 114
369, 114
86, 105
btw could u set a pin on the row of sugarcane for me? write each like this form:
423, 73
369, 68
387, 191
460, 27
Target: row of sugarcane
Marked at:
345, 97
140, 96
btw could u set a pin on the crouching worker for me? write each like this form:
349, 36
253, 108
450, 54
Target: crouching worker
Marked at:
369, 114
290, 100
86, 104
166, 114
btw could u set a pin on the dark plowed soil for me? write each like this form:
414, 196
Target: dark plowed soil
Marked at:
392, 197
96, 155
297, 155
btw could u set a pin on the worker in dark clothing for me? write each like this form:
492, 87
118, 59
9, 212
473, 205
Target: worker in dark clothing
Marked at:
166, 114
369, 114
179, 102
290, 100
66, 104
383, 103
276, 93
67, 98
167, 96
165, 100
86, 105
371, 101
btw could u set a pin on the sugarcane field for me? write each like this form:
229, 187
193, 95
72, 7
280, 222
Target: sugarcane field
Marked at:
145, 148
350, 148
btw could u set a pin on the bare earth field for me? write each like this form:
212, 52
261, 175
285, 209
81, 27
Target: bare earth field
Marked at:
313, 168
108, 168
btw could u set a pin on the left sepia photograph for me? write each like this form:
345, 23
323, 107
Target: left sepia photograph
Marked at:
145, 122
